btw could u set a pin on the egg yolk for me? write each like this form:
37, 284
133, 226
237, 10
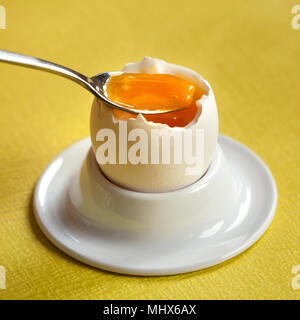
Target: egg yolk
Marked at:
155, 92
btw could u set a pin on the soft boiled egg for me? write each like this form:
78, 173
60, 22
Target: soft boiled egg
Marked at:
162, 152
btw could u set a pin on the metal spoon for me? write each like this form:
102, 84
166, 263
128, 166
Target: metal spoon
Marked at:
95, 84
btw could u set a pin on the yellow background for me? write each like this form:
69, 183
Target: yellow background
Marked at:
249, 53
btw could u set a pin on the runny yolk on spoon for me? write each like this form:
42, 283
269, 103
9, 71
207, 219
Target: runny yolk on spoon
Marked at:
155, 92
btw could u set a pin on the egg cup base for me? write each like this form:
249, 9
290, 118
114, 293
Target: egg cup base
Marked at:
124, 231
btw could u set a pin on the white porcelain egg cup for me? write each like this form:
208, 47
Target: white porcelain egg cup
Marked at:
201, 225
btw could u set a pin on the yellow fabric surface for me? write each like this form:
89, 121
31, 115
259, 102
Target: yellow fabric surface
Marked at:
249, 53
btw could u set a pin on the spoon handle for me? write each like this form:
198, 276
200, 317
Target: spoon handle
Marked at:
36, 63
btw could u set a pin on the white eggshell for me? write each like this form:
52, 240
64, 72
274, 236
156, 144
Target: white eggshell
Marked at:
158, 177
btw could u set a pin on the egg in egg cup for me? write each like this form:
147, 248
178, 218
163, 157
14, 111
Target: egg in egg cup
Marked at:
144, 218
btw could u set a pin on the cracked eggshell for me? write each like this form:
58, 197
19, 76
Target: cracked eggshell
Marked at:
157, 177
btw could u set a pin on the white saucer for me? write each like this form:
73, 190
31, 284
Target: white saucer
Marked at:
114, 251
